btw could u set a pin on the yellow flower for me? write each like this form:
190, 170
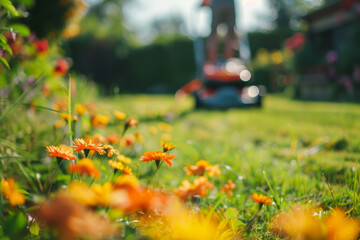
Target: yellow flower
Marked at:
80, 109
71, 31
262, 56
103, 193
127, 180
85, 167
59, 123
167, 146
165, 127
123, 159
277, 57
61, 151
166, 137
81, 193
10, 191
99, 120
116, 165
139, 137
187, 224
153, 130
119, 115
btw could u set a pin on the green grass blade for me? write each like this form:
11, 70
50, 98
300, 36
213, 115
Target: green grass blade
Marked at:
276, 199
16, 102
212, 210
20, 165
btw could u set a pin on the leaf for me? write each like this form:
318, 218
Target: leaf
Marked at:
27, 2
3, 39
228, 234
14, 224
21, 29
34, 229
6, 47
212, 210
236, 223
4, 62
18, 99
231, 213
7, 4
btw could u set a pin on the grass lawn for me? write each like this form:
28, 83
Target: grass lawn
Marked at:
305, 149
296, 152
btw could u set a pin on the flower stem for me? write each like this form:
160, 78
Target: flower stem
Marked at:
156, 177
54, 176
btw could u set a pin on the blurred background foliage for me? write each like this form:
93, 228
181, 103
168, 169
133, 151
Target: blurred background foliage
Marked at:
99, 44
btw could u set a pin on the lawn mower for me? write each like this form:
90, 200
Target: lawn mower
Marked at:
224, 84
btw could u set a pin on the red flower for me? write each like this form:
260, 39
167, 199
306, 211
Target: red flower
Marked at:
41, 46
61, 67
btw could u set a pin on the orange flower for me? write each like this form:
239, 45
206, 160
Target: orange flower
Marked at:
338, 226
99, 120
141, 199
127, 141
131, 122
113, 138
139, 137
228, 187
298, 223
80, 109
73, 220
109, 151
200, 187
96, 137
119, 115
167, 146
261, 199
85, 166
157, 156
116, 165
62, 152
10, 191
201, 167
60, 104
66, 117
81, 144
127, 170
